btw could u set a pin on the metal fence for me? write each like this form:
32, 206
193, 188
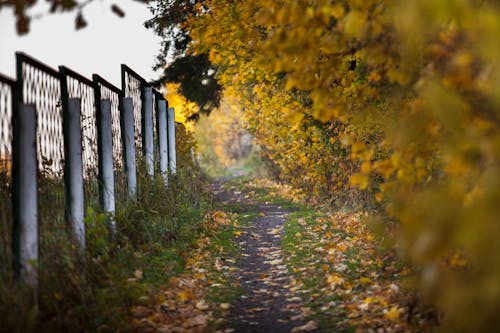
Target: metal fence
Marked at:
69, 153
77, 86
105, 90
7, 88
133, 86
74, 85
40, 85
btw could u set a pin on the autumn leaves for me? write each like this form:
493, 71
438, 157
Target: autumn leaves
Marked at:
192, 301
392, 104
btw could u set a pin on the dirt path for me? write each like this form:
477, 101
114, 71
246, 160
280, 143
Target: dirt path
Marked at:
267, 303
324, 272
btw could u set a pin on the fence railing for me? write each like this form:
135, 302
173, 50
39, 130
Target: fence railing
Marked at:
146, 129
7, 89
67, 143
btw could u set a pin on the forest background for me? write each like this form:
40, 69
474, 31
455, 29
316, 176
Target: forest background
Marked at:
391, 105
384, 104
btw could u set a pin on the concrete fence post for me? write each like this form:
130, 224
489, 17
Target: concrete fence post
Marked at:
129, 146
106, 174
148, 131
74, 171
171, 141
25, 227
163, 139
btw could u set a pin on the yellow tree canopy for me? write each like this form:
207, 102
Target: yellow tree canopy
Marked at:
390, 103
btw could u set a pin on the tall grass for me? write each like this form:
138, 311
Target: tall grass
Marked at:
94, 291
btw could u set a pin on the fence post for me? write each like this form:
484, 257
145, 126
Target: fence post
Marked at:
148, 131
162, 138
25, 229
171, 141
106, 176
74, 170
129, 146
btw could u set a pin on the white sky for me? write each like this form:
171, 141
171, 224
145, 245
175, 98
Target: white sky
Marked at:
101, 47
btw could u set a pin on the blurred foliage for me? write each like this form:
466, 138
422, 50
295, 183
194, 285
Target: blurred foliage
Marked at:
196, 81
194, 73
22, 8
167, 22
224, 143
185, 110
389, 103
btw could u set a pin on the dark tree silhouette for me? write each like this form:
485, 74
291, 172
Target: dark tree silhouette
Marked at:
196, 74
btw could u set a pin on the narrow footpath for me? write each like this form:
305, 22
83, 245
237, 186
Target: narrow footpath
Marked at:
267, 263
267, 303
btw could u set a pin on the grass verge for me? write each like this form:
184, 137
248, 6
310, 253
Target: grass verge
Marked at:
100, 290
347, 279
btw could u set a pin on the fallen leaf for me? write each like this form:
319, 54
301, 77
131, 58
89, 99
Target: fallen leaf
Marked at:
202, 305
199, 320
224, 306
334, 280
364, 306
274, 262
393, 314
365, 280
307, 327
141, 311
138, 274
185, 295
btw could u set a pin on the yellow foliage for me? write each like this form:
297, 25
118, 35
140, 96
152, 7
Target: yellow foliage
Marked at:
222, 137
183, 108
334, 280
399, 96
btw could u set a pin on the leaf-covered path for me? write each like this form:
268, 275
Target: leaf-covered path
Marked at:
269, 264
267, 304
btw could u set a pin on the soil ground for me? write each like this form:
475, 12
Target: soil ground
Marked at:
266, 304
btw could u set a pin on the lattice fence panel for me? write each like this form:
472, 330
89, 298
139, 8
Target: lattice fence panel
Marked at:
6, 97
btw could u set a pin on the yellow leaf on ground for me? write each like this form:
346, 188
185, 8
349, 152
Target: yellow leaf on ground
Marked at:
200, 320
365, 280
202, 305
393, 314
334, 280
368, 300
225, 306
307, 327
185, 295
173, 281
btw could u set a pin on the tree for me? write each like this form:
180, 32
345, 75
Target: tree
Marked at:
195, 73
407, 91
196, 76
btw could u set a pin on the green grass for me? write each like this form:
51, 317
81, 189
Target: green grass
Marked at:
224, 246
298, 246
153, 237
261, 194
304, 256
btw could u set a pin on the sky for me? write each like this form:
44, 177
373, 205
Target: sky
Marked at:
101, 47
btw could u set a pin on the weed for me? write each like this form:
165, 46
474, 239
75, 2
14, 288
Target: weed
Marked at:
94, 292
